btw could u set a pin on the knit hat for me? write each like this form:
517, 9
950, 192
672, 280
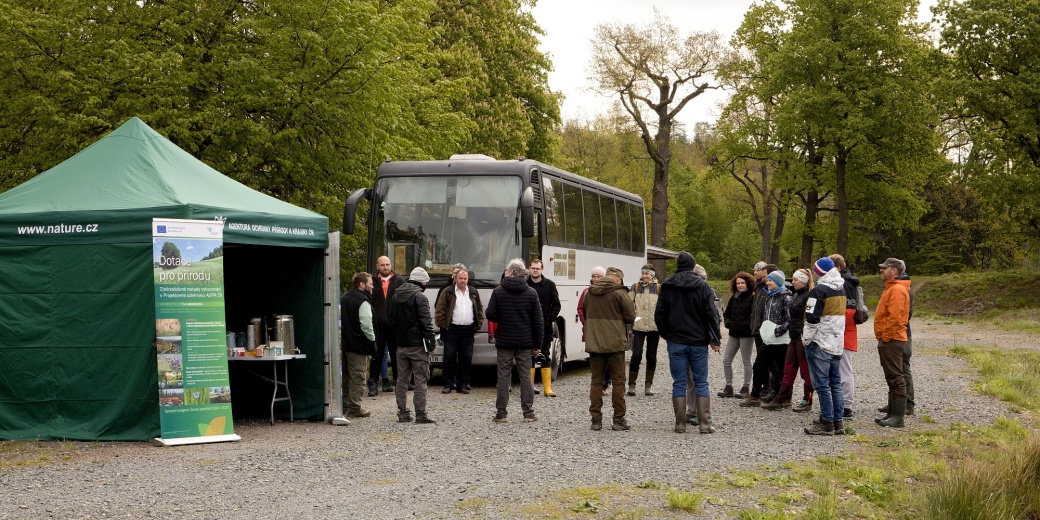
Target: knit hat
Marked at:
614, 271
801, 275
599, 271
419, 275
699, 271
778, 277
685, 262
823, 265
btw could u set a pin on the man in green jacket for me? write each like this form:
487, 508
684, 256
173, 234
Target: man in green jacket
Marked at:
608, 311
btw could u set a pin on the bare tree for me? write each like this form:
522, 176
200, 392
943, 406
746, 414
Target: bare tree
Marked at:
655, 72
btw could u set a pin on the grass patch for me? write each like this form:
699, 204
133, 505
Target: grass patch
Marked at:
1009, 375
688, 501
22, 454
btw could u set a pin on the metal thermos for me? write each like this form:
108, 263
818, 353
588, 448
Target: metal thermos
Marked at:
283, 331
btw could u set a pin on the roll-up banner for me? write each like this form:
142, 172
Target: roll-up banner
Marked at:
190, 338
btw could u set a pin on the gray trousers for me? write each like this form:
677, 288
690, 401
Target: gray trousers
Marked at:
848, 378
734, 345
522, 360
412, 361
354, 366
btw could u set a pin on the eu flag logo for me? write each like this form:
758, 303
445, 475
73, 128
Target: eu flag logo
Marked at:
160, 229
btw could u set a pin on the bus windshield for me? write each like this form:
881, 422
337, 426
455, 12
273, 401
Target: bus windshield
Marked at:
437, 221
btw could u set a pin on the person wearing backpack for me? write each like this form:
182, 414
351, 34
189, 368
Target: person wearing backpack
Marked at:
852, 297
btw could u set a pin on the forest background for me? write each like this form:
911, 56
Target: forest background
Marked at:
850, 127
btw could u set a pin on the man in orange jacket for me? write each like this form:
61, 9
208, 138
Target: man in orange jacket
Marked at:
890, 320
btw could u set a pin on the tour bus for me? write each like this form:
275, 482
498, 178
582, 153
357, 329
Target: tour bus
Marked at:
482, 212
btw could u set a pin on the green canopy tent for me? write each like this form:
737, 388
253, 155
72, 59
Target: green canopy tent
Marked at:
76, 287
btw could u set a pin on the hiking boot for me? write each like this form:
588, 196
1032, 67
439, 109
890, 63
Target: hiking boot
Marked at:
406, 417
769, 396
824, 428
388, 387
424, 420
727, 392
692, 419
750, 402
743, 393
499, 418
773, 405
803, 406
359, 413
373, 387
846, 415
620, 425
839, 427
530, 418
597, 424
446, 390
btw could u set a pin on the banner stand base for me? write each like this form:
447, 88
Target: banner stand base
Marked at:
339, 421
158, 441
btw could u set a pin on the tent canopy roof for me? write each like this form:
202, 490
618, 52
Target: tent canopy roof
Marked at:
135, 172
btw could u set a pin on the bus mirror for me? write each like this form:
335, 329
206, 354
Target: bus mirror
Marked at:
527, 213
350, 210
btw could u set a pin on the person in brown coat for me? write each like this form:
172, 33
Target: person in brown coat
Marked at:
608, 312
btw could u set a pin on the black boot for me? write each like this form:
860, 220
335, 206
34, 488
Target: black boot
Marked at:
727, 392
896, 411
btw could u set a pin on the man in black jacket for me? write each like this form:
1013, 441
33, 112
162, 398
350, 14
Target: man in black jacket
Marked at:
515, 307
549, 299
408, 315
385, 285
358, 341
686, 318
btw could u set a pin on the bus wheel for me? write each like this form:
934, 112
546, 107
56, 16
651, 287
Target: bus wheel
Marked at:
556, 351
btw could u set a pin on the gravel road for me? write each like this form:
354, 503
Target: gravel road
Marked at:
467, 466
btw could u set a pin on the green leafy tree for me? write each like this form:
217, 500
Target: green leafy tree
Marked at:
993, 90
489, 48
171, 255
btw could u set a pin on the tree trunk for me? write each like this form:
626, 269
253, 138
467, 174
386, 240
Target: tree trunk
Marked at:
812, 209
840, 161
662, 157
766, 229
781, 220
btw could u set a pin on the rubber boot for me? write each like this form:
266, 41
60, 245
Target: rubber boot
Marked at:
727, 392
897, 409
547, 382
632, 375
885, 410
704, 414
649, 383
679, 407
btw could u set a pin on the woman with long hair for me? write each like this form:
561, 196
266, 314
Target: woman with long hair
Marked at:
737, 319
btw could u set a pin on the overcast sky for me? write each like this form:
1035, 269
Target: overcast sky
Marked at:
568, 26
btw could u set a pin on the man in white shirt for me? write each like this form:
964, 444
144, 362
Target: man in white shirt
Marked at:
459, 314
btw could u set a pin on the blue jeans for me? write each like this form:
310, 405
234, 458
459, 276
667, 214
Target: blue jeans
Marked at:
693, 357
825, 372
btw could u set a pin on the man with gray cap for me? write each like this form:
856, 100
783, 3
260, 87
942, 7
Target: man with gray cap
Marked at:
408, 315
608, 311
516, 309
685, 317
890, 325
